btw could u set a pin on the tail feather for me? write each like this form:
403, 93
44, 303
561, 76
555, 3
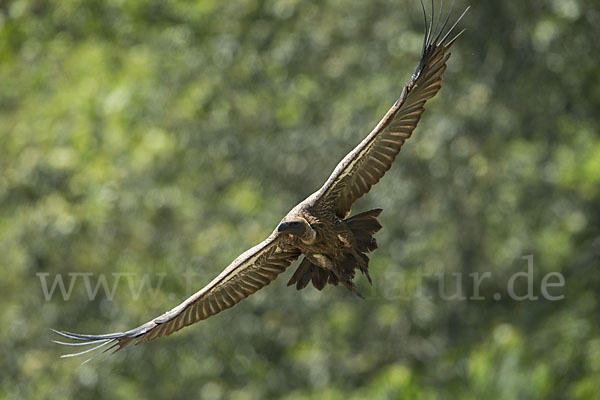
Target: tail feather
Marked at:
302, 275
320, 277
364, 266
366, 221
307, 272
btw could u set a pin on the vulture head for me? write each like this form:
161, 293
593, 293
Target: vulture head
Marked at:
298, 227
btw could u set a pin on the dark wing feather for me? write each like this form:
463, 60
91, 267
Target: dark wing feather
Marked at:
364, 166
248, 273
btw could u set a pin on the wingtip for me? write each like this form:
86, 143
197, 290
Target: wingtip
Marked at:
82, 337
101, 343
96, 342
443, 42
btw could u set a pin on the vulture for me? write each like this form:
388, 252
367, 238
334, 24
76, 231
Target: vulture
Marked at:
333, 243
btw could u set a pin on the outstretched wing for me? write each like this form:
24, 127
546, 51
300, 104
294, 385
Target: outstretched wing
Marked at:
364, 166
251, 271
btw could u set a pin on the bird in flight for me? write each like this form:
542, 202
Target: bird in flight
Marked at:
333, 243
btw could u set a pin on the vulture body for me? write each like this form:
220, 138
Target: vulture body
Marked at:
334, 244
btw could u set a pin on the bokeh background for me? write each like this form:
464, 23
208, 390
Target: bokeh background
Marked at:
154, 139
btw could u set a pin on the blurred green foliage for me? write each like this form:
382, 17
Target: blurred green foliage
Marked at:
165, 138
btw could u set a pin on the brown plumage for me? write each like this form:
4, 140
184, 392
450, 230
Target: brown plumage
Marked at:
333, 244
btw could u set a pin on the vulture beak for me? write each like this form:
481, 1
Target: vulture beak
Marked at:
293, 227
